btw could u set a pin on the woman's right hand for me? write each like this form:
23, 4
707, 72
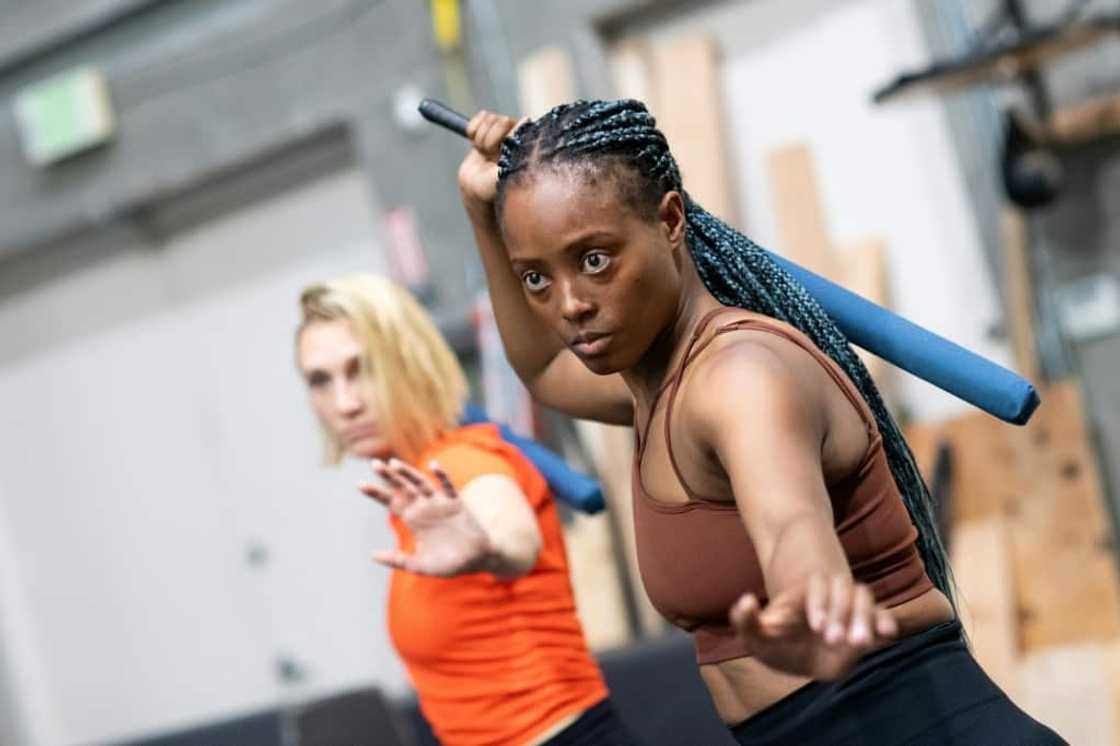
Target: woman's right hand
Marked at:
819, 630
478, 173
449, 539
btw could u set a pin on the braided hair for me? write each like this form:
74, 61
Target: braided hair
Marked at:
619, 140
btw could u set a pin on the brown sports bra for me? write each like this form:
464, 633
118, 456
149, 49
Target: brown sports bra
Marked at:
696, 558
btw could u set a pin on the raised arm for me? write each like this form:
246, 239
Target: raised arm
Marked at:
551, 372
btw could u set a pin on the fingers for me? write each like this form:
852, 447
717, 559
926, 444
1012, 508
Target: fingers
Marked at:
395, 493
886, 626
405, 484
497, 132
839, 606
394, 558
377, 492
413, 479
410, 478
816, 602
863, 609
487, 130
850, 614
745, 615
476, 122
403, 479
444, 480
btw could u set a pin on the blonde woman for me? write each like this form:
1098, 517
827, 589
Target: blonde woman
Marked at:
480, 607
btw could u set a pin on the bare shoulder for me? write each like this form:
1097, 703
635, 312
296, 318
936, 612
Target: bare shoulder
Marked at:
771, 381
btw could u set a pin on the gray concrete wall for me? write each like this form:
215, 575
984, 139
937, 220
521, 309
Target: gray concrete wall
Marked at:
201, 86
32, 28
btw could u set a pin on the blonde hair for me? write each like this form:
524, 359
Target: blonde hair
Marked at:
410, 373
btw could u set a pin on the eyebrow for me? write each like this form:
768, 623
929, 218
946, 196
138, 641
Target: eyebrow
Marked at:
308, 372
580, 241
576, 244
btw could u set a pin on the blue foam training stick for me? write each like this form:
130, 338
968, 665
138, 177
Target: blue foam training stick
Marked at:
576, 490
919, 351
932, 358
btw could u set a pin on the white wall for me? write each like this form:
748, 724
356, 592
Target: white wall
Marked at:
26, 714
804, 70
154, 428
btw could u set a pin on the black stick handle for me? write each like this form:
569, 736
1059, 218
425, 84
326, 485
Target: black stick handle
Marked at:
444, 116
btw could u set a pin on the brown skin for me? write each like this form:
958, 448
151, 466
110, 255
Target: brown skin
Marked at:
570, 259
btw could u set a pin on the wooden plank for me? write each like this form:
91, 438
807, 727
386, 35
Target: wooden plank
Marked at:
632, 71
1088, 121
596, 584
924, 438
1068, 689
803, 237
1018, 292
688, 105
985, 462
861, 267
986, 466
1064, 563
611, 448
545, 78
982, 565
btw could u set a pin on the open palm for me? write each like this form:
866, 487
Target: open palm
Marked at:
449, 540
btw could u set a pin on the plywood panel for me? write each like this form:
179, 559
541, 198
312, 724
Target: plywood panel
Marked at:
595, 581
1019, 292
1062, 545
1087, 121
689, 111
924, 439
986, 465
861, 267
802, 234
1068, 689
612, 450
545, 79
982, 564
632, 71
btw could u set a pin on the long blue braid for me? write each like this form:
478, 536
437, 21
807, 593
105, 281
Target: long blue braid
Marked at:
620, 140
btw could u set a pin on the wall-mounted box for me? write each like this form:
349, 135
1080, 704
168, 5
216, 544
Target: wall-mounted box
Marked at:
63, 115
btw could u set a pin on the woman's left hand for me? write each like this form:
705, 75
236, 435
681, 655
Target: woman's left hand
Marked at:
819, 630
449, 540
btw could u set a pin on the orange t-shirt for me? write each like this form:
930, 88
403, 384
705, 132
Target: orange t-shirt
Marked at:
492, 661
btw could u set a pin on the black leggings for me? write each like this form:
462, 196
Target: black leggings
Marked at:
599, 725
925, 690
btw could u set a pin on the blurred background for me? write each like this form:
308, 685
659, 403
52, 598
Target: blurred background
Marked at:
176, 565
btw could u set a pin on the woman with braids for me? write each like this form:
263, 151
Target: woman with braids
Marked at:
480, 607
778, 512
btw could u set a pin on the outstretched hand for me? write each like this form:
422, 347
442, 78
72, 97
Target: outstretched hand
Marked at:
449, 540
819, 630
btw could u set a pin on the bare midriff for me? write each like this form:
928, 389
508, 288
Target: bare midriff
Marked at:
741, 687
